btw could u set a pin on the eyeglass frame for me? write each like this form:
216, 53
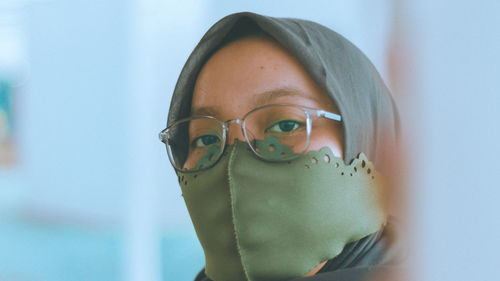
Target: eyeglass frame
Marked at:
318, 113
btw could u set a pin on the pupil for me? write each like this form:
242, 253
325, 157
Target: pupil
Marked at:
286, 126
207, 140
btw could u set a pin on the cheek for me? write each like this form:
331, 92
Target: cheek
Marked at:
327, 137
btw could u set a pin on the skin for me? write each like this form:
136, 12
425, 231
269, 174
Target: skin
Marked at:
256, 71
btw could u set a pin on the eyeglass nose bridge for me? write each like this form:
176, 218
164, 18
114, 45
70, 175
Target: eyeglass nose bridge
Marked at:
236, 121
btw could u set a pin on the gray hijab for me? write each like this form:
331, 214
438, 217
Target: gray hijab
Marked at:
346, 75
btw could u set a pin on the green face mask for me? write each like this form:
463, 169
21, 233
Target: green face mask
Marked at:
261, 221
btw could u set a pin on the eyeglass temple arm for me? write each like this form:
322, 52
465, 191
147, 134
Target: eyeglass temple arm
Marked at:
329, 115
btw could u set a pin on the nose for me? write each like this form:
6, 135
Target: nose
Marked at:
234, 131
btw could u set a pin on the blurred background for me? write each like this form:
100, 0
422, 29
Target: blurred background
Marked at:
86, 189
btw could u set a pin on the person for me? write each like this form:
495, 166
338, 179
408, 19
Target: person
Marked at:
278, 130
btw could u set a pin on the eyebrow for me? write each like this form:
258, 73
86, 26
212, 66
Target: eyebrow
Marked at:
267, 96
205, 110
261, 99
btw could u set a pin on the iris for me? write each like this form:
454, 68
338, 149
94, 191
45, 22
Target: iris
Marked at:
205, 140
284, 126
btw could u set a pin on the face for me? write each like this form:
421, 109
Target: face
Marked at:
254, 72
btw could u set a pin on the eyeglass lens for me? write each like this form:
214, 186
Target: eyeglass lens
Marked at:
276, 133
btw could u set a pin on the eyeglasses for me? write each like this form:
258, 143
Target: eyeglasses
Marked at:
276, 132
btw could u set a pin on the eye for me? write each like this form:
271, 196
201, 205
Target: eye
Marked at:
285, 126
205, 140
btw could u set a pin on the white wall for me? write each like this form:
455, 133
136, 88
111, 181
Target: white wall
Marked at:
71, 110
456, 189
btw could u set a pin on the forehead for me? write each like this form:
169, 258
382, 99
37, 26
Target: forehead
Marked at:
251, 72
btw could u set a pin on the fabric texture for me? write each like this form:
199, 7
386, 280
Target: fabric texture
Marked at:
383, 253
271, 221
